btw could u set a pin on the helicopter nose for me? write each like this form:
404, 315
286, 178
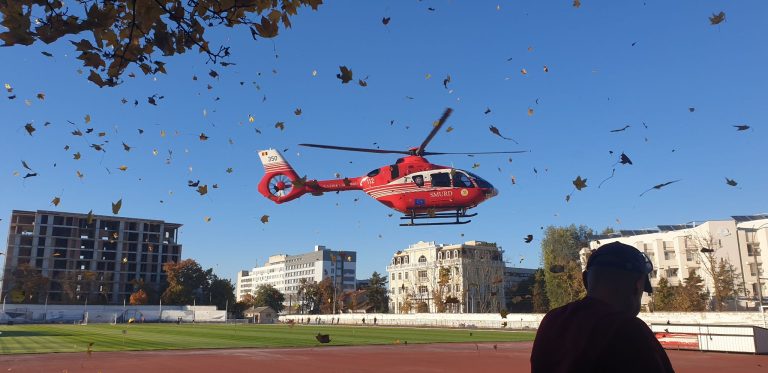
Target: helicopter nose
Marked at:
492, 192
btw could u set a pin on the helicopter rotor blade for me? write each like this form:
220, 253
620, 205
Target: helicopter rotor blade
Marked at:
350, 149
473, 153
446, 114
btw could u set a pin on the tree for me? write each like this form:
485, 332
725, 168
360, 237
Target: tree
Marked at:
28, 285
377, 293
309, 297
267, 295
539, 292
326, 296
560, 247
664, 296
221, 292
185, 279
725, 281
443, 278
139, 297
691, 296
726, 284
125, 32
148, 289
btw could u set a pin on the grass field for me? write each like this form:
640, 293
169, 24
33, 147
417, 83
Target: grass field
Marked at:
19, 339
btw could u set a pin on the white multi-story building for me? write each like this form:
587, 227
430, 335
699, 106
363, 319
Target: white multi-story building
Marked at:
429, 277
678, 250
285, 272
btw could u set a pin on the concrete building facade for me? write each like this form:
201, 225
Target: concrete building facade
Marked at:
430, 277
285, 272
84, 258
678, 250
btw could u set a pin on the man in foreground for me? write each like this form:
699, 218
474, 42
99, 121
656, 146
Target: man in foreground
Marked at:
601, 332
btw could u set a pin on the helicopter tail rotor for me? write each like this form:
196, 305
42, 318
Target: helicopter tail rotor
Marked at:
280, 180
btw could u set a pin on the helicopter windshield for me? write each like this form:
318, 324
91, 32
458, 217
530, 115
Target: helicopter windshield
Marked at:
481, 183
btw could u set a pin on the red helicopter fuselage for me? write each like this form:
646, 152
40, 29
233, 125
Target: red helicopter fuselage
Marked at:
412, 185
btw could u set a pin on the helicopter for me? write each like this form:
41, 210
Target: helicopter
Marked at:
422, 191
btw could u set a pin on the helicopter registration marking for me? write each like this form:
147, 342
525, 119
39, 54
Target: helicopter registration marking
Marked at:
446, 193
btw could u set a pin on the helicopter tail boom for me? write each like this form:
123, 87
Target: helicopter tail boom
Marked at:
280, 182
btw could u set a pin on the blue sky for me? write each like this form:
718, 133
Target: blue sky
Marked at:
598, 81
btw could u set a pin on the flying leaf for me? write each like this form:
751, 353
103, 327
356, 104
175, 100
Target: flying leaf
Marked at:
154, 151
524, 71
528, 238
213, 73
56, 201
280, 125
576, 3
487, 110
621, 129
116, 206
385, 21
193, 184
731, 182
659, 186
264, 219
79, 174
25, 165
624, 159
546, 69
203, 189
742, 127
530, 112
76, 156
77, 133
87, 118
30, 128
162, 133
446, 81
126, 147
30, 174
297, 111
496, 132
229, 170
691, 109
8, 88
345, 76
89, 218
123, 168
716, 19
362, 83
250, 119
580, 183
207, 219
449, 129
203, 137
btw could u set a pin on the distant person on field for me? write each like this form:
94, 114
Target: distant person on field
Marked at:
601, 332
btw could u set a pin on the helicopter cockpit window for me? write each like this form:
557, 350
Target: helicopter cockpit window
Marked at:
480, 181
419, 180
394, 171
461, 180
441, 179
374, 172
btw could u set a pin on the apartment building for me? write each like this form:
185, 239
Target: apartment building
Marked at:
458, 278
78, 258
285, 272
678, 250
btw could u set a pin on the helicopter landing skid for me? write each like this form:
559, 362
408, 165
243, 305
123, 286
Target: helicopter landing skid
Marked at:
440, 215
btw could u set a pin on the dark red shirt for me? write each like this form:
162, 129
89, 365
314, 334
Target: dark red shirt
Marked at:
589, 335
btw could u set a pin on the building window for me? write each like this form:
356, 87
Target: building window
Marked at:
393, 277
440, 255
753, 248
669, 255
422, 275
422, 259
406, 275
691, 255
423, 289
457, 288
399, 275
671, 272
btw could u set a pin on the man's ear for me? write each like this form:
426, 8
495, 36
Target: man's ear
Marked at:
584, 279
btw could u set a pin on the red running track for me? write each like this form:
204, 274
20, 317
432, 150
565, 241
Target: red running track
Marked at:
453, 357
